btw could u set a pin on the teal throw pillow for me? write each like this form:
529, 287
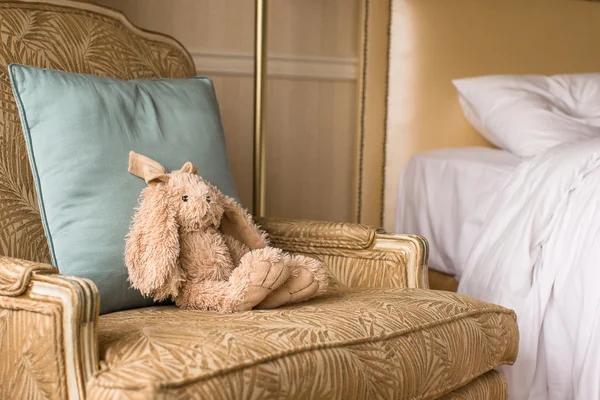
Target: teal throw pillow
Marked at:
79, 130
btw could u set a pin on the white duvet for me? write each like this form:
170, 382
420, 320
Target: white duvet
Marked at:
538, 253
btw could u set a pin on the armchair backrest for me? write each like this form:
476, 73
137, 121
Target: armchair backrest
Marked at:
71, 36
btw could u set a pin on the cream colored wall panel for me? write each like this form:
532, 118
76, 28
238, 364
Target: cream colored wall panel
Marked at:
316, 27
311, 122
310, 145
235, 101
198, 24
310, 149
319, 27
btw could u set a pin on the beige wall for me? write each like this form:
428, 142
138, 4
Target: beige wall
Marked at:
312, 93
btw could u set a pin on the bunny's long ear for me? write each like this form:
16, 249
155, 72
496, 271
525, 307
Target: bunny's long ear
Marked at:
237, 223
189, 168
147, 169
152, 246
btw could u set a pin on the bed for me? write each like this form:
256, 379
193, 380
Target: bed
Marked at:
520, 229
445, 195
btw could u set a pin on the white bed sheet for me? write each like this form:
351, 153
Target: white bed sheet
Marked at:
538, 253
445, 195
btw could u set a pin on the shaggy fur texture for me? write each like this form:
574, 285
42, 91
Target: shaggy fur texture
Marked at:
191, 243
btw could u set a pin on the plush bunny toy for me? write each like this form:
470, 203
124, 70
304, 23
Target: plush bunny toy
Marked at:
190, 242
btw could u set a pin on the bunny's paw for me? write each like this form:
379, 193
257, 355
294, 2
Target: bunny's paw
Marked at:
260, 272
296, 289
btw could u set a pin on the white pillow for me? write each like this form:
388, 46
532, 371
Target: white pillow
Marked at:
527, 114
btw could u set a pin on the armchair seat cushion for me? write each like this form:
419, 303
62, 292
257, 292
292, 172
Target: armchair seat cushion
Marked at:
350, 343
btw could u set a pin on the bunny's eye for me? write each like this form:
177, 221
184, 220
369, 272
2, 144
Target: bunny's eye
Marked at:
184, 198
208, 199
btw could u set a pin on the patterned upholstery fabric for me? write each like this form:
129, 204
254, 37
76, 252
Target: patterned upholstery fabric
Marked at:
47, 326
68, 39
357, 255
37, 370
491, 386
353, 343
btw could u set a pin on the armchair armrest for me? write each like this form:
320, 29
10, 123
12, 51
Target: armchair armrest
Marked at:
48, 343
357, 255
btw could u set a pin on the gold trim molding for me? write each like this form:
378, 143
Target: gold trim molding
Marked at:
292, 66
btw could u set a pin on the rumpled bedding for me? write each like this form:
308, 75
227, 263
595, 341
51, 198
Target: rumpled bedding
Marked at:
538, 253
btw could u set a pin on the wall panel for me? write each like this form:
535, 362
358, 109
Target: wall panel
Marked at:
312, 93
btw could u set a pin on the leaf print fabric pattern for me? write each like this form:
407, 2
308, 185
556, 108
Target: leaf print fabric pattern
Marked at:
351, 343
73, 40
492, 385
37, 370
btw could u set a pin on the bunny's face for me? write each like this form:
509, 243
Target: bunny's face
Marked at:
197, 204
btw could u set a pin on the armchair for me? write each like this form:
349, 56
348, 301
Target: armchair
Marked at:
54, 317
378, 333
